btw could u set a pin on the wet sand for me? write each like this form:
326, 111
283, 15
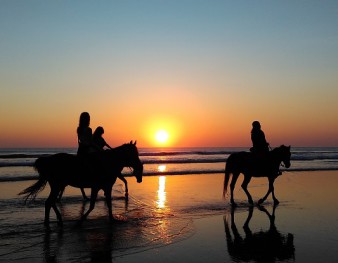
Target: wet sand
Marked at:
179, 219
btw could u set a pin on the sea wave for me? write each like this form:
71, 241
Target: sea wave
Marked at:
170, 173
173, 161
16, 165
29, 160
298, 154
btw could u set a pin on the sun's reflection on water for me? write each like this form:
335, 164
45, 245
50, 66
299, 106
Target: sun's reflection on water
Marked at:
161, 194
162, 168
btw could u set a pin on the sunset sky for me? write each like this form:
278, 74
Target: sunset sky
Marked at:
199, 70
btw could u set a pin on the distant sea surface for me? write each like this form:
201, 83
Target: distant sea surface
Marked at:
17, 164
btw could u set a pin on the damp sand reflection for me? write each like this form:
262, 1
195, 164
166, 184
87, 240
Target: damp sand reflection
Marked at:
258, 246
161, 193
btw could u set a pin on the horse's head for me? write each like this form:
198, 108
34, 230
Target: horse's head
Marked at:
133, 160
285, 155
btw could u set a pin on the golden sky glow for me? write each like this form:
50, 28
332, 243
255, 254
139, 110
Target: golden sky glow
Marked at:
200, 72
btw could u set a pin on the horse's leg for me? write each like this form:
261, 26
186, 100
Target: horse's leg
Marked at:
51, 202
245, 183
232, 187
121, 177
56, 210
93, 197
84, 194
275, 200
47, 209
58, 214
60, 194
271, 189
107, 194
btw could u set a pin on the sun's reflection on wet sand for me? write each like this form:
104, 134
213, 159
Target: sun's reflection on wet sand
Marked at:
161, 194
162, 168
162, 209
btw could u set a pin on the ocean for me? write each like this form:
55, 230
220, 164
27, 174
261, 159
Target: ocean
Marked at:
17, 164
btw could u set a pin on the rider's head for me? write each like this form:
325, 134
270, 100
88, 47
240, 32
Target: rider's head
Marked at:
84, 119
256, 125
99, 131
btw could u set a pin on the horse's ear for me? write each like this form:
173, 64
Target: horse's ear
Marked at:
135, 142
131, 142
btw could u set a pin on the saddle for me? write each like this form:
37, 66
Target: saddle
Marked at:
91, 162
261, 163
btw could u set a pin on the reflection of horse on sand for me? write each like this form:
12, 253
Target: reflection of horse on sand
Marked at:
261, 246
97, 172
251, 166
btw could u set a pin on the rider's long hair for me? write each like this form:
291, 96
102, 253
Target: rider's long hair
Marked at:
84, 121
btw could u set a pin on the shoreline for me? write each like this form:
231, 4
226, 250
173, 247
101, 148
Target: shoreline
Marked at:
172, 173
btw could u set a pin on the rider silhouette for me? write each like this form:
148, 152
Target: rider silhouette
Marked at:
84, 139
84, 134
98, 139
260, 148
259, 144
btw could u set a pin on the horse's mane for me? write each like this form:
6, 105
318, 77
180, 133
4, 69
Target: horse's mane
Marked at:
280, 148
121, 147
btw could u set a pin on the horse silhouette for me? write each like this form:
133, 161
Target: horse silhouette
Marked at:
120, 176
262, 246
247, 164
97, 171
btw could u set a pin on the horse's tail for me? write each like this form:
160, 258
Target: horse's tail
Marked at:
32, 191
228, 172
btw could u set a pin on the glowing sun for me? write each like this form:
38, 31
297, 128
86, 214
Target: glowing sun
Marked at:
162, 136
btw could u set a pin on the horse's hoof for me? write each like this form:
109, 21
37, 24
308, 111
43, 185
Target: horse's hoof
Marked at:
276, 202
233, 204
260, 201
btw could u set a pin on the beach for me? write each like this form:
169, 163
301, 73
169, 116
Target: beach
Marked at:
180, 218
177, 93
